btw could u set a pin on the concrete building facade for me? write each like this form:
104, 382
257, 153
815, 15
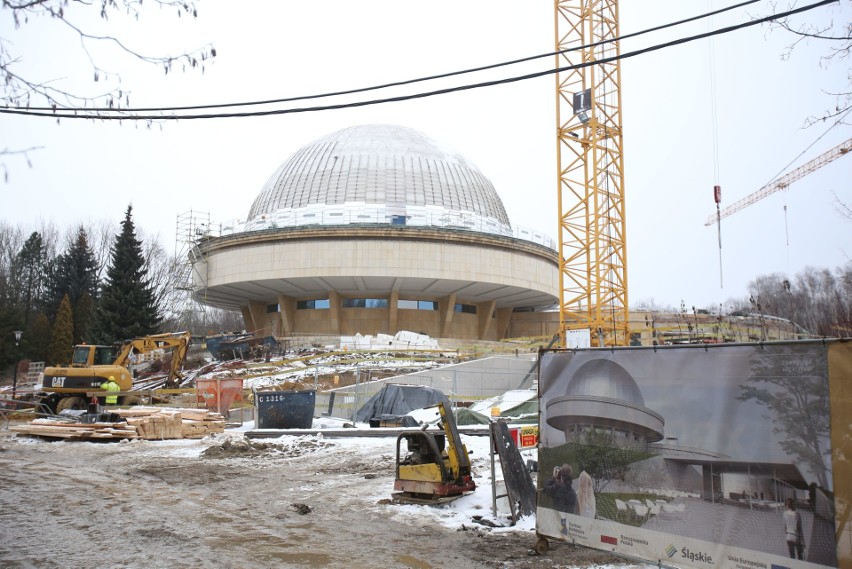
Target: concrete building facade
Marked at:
376, 229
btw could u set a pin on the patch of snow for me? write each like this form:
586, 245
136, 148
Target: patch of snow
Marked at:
506, 401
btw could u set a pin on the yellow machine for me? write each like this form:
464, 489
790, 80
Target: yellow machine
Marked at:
431, 473
91, 366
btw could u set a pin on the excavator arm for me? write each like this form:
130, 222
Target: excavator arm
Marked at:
178, 342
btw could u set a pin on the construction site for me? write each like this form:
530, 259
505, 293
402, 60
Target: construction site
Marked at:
410, 383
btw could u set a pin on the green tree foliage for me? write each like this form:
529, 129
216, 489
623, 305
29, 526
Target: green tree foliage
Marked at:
597, 453
603, 459
794, 389
76, 274
84, 318
127, 304
9, 322
30, 277
62, 335
37, 336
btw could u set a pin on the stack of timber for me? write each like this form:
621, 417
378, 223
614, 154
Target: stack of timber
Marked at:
150, 423
51, 428
172, 423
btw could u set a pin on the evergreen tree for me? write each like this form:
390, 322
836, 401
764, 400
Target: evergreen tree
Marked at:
37, 338
9, 322
84, 318
29, 275
62, 335
127, 303
75, 274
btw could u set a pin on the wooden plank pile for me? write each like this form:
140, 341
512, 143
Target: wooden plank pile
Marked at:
150, 423
172, 423
67, 430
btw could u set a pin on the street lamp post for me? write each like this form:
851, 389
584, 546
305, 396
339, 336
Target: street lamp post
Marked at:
18, 334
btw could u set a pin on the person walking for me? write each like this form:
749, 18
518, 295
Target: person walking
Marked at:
793, 530
112, 387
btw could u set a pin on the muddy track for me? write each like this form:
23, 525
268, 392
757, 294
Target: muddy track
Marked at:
181, 504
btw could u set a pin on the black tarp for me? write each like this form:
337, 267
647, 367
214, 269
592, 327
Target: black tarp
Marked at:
395, 399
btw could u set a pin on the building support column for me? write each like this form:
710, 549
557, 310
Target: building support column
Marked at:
248, 319
485, 310
504, 318
447, 306
334, 312
393, 303
261, 323
287, 314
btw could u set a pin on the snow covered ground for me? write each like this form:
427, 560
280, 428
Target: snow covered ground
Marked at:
233, 501
453, 515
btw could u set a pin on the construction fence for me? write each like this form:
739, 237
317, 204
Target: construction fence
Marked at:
466, 382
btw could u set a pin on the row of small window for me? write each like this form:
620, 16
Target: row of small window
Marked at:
373, 303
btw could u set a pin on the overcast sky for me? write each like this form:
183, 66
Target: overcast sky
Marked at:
91, 171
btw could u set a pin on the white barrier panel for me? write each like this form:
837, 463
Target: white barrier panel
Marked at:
699, 456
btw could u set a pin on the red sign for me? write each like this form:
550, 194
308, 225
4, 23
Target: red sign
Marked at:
524, 437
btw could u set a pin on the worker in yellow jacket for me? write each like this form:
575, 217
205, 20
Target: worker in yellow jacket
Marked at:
111, 386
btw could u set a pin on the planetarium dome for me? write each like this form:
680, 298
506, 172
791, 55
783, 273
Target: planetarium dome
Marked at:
604, 378
379, 174
603, 395
378, 229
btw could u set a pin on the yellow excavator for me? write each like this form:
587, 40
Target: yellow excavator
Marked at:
91, 366
436, 469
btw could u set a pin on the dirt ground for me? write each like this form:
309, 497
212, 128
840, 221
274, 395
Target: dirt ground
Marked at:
231, 503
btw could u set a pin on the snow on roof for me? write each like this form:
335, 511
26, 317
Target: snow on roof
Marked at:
505, 402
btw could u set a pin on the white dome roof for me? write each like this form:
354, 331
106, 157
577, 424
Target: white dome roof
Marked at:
387, 165
605, 378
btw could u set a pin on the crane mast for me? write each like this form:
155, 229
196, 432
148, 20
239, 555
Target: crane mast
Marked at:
592, 234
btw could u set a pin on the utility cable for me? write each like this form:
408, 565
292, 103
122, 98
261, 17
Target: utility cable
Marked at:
717, 186
395, 83
811, 145
83, 114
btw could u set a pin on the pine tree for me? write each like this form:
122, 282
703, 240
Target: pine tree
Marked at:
28, 272
84, 318
10, 321
127, 305
62, 335
38, 338
75, 274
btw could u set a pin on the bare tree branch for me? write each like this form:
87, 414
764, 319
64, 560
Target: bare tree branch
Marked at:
17, 89
838, 39
842, 207
25, 152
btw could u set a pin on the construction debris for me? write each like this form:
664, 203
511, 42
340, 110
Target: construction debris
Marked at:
150, 423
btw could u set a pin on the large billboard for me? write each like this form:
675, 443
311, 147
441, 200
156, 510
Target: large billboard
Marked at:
731, 456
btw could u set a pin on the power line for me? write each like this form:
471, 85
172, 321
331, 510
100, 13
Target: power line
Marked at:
91, 114
386, 85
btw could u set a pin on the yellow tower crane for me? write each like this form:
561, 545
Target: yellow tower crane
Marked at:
784, 181
592, 234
